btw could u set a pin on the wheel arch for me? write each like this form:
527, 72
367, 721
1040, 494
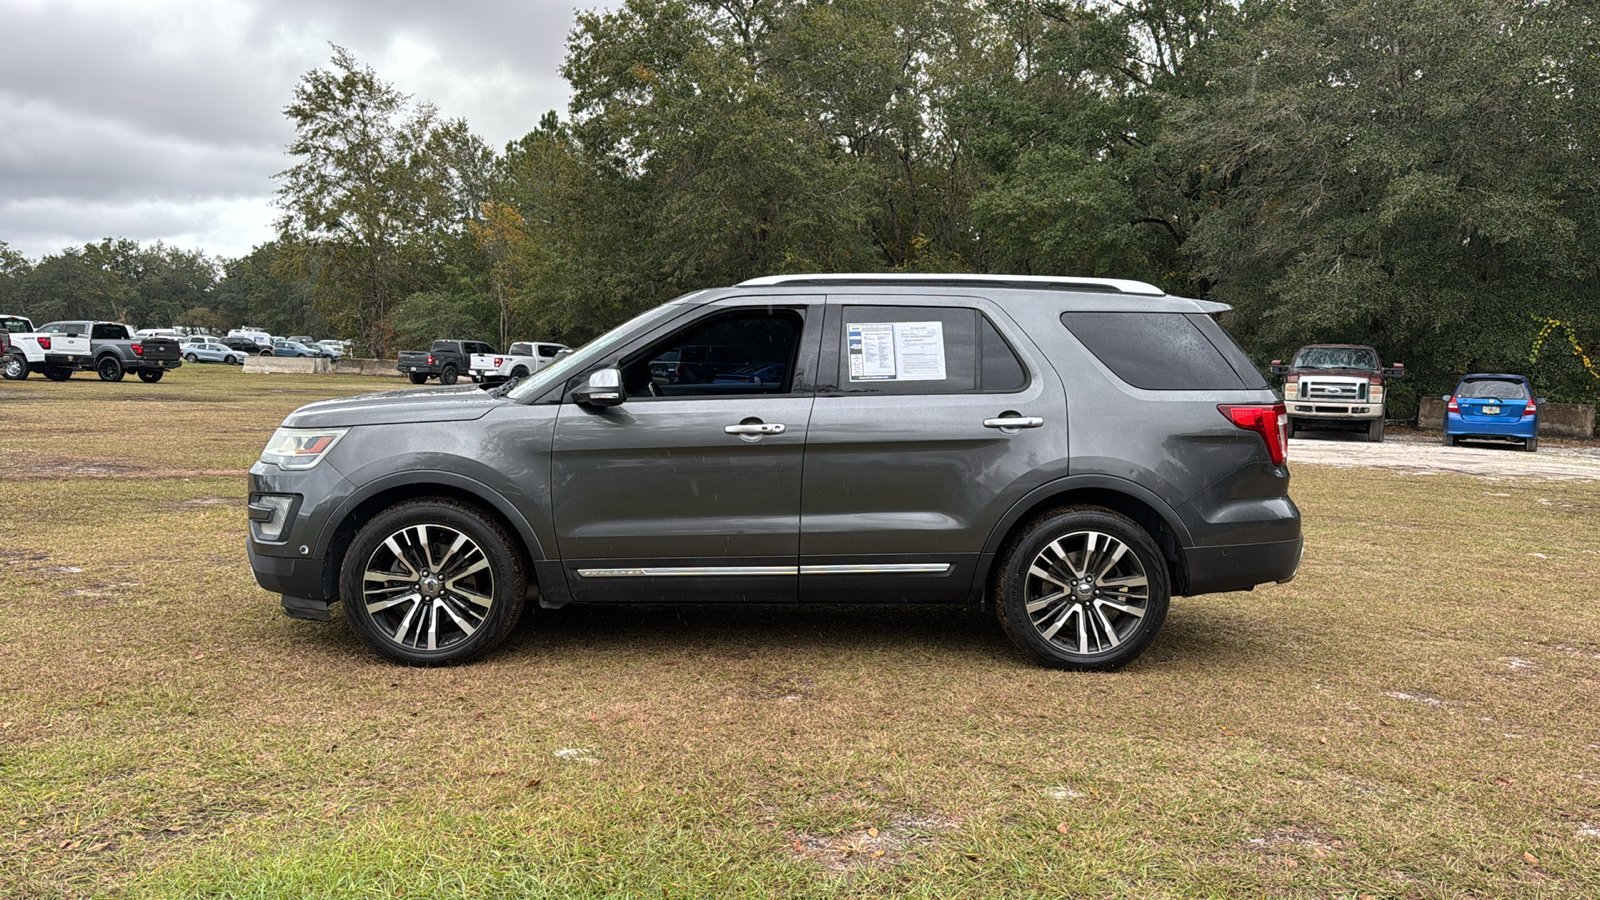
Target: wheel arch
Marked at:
361, 506
1140, 504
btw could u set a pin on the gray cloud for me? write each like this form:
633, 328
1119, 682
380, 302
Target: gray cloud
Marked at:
163, 119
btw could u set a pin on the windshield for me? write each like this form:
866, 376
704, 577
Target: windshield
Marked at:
1492, 389
1336, 358
585, 356
15, 325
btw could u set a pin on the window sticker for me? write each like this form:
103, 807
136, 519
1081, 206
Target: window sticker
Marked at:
895, 351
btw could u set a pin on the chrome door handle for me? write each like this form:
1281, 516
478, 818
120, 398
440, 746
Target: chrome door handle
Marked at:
758, 428
1013, 422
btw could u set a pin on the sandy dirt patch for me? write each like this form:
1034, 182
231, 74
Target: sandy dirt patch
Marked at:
1424, 455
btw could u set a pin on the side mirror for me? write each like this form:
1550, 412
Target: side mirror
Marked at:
1539, 402
604, 388
1278, 368
1445, 397
1398, 370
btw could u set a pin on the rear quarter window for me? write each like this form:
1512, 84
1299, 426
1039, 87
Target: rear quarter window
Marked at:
1165, 351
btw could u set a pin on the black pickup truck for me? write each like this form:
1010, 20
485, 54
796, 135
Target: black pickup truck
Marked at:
114, 351
446, 361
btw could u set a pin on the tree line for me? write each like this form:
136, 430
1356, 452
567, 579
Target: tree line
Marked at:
1419, 175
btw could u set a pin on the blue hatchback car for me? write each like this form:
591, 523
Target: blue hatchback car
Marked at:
1492, 406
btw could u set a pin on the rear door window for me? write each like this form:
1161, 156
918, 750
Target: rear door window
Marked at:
1165, 351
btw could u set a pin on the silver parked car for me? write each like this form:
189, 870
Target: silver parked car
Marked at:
196, 350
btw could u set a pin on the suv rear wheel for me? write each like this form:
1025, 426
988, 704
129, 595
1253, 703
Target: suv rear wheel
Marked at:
432, 582
1082, 588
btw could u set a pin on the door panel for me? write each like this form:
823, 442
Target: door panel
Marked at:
920, 478
690, 490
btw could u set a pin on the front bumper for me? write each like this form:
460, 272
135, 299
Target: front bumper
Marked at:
1336, 411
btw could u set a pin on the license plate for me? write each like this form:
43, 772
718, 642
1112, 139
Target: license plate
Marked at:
1491, 410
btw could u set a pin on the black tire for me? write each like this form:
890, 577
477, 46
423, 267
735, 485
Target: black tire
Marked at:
267, 353
417, 378
1449, 439
151, 376
447, 375
519, 372
57, 374
231, 360
109, 368
190, 358
16, 368
1289, 426
1375, 431
1067, 545
384, 612
1531, 444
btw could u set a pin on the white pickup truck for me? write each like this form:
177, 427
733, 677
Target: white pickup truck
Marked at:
523, 359
55, 355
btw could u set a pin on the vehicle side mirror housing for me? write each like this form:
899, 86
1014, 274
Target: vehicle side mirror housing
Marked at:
1278, 368
1539, 402
1398, 370
1445, 397
604, 388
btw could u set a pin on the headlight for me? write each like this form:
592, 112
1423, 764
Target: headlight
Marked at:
300, 448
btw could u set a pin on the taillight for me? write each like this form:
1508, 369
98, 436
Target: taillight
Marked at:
44, 343
1530, 409
1271, 422
138, 349
1453, 407
497, 362
430, 359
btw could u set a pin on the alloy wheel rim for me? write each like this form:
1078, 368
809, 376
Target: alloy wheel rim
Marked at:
1086, 593
12, 367
428, 587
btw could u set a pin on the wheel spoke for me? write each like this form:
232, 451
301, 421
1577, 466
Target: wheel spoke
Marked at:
379, 605
1061, 620
1041, 573
1036, 605
1134, 611
478, 566
1110, 632
472, 597
1106, 567
450, 554
400, 556
466, 628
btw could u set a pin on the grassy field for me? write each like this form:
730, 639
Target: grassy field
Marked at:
1414, 717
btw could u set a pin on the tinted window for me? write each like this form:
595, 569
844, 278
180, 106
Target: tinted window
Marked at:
744, 352
1492, 389
908, 350
520, 349
1000, 368
1156, 351
548, 351
14, 325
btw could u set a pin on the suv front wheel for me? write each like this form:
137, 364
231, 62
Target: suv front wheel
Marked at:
432, 582
1082, 588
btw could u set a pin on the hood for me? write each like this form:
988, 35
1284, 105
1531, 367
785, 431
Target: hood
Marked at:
458, 403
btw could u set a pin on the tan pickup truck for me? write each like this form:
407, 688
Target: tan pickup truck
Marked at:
1336, 386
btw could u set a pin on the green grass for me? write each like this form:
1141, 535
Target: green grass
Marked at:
1415, 716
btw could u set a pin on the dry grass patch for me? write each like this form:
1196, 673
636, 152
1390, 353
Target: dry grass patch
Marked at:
1414, 717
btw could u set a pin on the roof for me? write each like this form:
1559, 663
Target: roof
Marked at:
1503, 376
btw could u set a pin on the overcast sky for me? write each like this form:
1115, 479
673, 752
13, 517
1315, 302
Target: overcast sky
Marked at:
163, 119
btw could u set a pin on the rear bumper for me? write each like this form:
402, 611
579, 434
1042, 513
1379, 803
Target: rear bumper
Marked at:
1240, 567
1487, 426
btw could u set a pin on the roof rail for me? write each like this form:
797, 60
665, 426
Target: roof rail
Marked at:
1034, 282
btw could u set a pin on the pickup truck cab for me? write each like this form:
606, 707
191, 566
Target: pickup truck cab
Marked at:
112, 351
446, 361
519, 361
54, 355
1336, 386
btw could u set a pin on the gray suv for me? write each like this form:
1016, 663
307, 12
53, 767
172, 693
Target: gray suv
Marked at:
1071, 451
